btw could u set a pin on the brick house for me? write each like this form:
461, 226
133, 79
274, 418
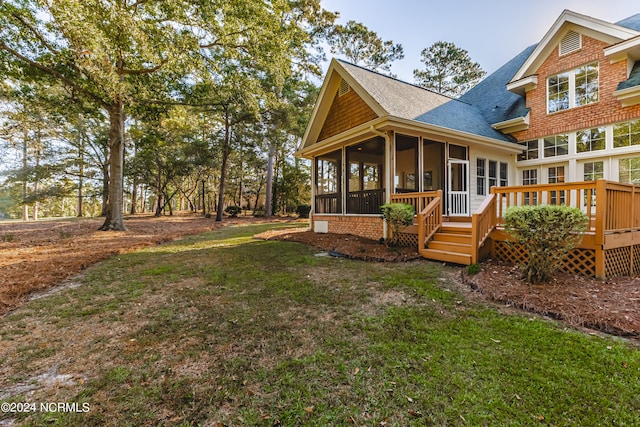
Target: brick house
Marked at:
558, 124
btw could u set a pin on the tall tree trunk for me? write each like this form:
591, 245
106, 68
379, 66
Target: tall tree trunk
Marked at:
80, 177
160, 194
255, 206
105, 189
268, 203
143, 201
134, 196
25, 207
204, 198
223, 168
36, 180
114, 219
134, 191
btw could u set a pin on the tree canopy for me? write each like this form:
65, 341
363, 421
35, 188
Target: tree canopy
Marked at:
449, 70
130, 56
362, 46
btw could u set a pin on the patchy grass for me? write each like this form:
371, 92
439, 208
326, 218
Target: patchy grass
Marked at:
220, 328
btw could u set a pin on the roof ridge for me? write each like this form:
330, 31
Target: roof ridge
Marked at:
393, 78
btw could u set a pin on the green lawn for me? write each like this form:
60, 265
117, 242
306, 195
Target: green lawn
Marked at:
221, 328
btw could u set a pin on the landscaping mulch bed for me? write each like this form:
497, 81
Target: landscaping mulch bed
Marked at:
344, 245
611, 306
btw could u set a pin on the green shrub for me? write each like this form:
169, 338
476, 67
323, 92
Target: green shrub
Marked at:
474, 269
303, 211
397, 215
233, 211
259, 213
547, 234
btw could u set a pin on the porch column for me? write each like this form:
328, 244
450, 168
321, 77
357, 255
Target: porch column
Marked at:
390, 148
314, 184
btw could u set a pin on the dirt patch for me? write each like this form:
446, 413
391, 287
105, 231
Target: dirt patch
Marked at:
34, 256
344, 245
611, 306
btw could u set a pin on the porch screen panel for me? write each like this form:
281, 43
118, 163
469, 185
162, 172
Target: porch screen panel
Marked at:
328, 183
406, 179
365, 189
433, 163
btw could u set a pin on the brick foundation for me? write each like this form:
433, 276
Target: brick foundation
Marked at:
371, 227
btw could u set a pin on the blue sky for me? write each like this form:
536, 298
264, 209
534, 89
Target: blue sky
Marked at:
492, 31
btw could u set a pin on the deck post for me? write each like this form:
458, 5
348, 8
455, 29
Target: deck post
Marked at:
601, 218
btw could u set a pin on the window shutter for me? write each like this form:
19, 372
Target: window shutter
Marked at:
571, 42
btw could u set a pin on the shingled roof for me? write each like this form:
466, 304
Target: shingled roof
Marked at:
491, 96
632, 22
472, 113
395, 97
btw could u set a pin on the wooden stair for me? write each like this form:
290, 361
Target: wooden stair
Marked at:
452, 243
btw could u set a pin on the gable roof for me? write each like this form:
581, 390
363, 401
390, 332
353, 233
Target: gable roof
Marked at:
385, 95
395, 97
474, 113
568, 20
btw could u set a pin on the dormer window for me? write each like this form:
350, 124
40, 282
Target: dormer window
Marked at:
573, 88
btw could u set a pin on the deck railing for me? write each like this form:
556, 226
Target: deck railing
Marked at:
365, 202
483, 222
430, 220
419, 201
581, 195
621, 207
611, 207
328, 203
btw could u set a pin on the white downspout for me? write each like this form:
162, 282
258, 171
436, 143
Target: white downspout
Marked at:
388, 177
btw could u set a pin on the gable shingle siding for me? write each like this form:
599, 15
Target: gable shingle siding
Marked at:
346, 112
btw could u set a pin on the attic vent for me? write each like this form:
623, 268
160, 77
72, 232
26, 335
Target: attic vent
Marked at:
344, 87
570, 43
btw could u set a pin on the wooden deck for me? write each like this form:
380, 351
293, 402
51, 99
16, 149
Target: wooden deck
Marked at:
611, 246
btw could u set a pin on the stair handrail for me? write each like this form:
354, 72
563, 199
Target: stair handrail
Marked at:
483, 222
429, 220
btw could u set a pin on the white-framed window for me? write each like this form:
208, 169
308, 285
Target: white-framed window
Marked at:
493, 173
497, 174
530, 151
626, 134
530, 177
573, 88
556, 176
557, 145
593, 171
504, 174
591, 139
629, 170
481, 177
